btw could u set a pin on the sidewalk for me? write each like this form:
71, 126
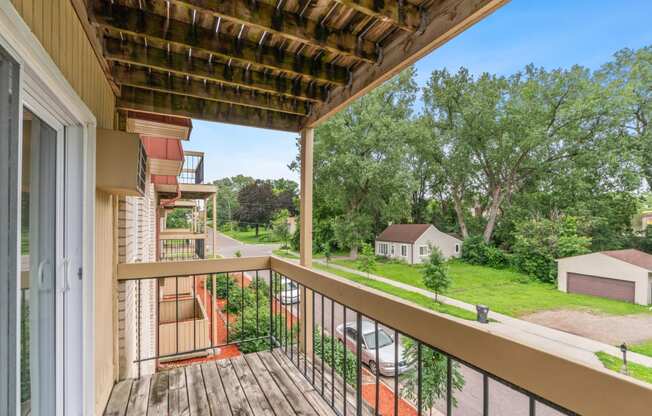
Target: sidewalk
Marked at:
548, 339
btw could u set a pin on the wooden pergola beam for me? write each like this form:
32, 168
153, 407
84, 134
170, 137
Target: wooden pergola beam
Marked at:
446, 19
268, 18
193, 37
153, 80
156, 102
399, 13
134, 54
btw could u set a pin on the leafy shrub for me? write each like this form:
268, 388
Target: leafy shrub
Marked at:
539, 242
335, 357
222, 282
476, 251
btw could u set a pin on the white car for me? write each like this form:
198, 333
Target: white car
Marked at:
289, 292
386, 347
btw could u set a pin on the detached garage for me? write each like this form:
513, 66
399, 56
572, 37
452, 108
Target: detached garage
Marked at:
624, 275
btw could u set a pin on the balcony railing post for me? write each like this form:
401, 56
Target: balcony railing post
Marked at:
305, 230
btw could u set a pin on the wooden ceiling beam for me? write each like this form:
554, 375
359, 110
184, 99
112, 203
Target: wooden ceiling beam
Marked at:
268, 18
141, 23
134, 54
445, 20
399, 13
178, 105
153, 80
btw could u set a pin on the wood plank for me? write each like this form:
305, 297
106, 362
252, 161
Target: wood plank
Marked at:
327, 398
139, 397
142, 23
267, 17
296, 390
401, 14
158, 395
178, 393
172, 104
154, 80
134, 54
217, 401
234, 393
257, 400
272, 391
196, 391
117, 405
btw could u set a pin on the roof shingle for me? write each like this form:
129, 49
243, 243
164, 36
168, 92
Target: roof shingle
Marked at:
403, 233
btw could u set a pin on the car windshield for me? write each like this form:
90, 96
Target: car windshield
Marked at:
383, 340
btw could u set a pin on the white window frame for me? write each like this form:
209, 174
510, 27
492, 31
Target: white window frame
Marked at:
457, 248
45, 91
404, 250
426, 250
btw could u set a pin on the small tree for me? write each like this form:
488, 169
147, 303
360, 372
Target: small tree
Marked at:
238, 253
367, 259
435, 273
434, 370
327, 253
281, 227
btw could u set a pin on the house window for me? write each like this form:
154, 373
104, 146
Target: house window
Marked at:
382, 249
392, 249
424, 250
457, 248
404, 250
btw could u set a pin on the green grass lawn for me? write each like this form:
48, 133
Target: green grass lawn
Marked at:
637, 371
417, 298
644, 348
249, 236
421, 300
504, 291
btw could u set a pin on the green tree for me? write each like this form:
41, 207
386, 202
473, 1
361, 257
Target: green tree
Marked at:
367, 259
328, 255
281, 227
360, 164
435, 273
434, 373
499, 133
178, 218
539, 242
256, 204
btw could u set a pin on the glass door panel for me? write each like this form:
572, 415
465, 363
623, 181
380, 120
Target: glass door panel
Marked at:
40, 297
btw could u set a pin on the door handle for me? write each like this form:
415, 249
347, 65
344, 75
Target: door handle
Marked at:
41, 274
66, 275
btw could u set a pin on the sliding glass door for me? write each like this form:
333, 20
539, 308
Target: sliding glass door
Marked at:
41, 295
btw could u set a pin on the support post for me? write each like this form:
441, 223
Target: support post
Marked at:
305, 246
214, 224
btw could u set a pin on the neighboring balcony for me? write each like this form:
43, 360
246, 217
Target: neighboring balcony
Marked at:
193, 168
264, 335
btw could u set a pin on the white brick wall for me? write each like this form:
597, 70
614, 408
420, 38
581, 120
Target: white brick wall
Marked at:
137, 243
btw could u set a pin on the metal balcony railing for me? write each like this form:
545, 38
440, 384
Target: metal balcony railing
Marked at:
362, 351
193, 168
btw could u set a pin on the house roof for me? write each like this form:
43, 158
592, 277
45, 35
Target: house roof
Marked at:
403, 233
632, 256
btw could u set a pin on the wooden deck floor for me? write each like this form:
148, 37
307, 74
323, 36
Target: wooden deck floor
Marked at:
255, 384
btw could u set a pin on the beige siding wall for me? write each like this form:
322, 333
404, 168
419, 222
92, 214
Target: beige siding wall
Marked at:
56, 25
104, 342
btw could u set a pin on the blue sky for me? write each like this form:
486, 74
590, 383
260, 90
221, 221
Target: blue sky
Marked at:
550, 33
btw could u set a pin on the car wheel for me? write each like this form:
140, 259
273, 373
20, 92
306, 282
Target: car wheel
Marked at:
373, 367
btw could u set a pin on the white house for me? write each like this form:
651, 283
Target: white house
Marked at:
620, 274
412, 242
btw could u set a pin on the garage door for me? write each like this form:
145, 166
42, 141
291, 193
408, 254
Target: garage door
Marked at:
601, 286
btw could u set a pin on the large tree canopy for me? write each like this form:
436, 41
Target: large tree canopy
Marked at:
361, 177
